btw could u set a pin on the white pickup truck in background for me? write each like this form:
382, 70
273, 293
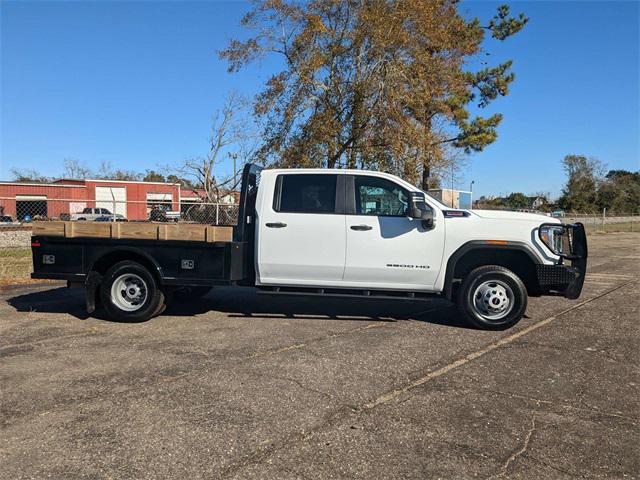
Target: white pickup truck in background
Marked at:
91, 214
337, 233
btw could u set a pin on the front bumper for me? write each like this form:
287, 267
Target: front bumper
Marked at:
567, 280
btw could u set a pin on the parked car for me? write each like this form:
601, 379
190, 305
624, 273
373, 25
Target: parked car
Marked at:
91, 214
335, 233
159, 214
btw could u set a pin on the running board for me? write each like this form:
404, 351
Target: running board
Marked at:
347, 293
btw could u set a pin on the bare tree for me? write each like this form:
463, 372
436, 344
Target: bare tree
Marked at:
73, 168
229, 138
28, 175
107, 172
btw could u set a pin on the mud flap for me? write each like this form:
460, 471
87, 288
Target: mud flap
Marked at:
91, 286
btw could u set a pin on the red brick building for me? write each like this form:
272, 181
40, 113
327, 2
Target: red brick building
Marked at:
132, 199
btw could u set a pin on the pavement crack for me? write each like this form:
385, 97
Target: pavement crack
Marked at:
298, 346
261, 455
552, 467
590, 409
521, 451
302, 386
294, 473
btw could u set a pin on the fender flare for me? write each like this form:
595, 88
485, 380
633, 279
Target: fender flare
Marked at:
157, 269
482, 245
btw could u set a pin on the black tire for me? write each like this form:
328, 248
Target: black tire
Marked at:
184, 294
151, 302
162, 305
487, 286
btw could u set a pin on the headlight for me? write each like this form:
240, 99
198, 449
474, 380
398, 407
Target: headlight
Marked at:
552, 236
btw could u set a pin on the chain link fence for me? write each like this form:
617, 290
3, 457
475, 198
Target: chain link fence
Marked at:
605, 222
21, 211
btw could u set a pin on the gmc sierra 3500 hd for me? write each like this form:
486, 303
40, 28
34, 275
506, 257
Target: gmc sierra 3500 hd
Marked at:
335, 232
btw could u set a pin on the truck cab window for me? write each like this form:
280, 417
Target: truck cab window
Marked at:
380, 197
306, 193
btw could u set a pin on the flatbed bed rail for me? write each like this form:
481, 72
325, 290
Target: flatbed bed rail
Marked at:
134, 230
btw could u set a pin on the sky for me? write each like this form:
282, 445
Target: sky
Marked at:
136, 84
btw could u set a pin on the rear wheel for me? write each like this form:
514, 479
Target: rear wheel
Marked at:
129, 293
492, 298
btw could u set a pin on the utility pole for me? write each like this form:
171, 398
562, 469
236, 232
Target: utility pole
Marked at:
234, 156
471, 192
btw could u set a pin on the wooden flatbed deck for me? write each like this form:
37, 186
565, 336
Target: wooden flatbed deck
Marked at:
134, 230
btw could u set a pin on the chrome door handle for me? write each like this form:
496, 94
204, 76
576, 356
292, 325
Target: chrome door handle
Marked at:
361, 227
276, 225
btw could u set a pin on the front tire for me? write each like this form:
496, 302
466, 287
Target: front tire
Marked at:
130, 293
492, 298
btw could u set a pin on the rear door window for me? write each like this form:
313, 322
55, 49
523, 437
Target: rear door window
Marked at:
306, 193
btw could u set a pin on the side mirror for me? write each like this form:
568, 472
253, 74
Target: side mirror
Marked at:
419, 209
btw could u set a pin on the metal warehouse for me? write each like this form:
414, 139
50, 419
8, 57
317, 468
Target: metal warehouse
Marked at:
132, 199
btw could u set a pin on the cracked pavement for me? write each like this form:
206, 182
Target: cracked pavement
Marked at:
240, 385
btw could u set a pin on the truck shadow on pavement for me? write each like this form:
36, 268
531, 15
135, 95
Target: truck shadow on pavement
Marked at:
247, 303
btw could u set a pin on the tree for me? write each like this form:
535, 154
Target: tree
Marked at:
28, 175
379, 84
73, 168
583, 176
106, 172
517, 200
619, 192
184, 182
153, 176
229, 137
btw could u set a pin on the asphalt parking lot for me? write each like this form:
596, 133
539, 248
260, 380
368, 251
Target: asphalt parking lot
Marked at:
240, 385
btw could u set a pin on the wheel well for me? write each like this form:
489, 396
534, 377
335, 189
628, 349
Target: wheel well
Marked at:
518, 261
106, 261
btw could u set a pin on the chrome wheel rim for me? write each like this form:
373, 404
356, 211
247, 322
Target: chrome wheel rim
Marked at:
493, 300
129, 292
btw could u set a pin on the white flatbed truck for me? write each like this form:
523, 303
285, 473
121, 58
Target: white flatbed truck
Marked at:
333, 233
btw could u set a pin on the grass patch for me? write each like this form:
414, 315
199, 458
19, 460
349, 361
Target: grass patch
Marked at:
15, 252
15, 263
613, 227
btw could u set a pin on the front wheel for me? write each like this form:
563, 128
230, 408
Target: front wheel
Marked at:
492, 298
129, 293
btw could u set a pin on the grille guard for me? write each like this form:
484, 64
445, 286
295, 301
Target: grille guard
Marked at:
576, 239
573, 235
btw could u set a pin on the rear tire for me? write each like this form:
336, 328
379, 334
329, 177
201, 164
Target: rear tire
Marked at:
492, 298
130, 293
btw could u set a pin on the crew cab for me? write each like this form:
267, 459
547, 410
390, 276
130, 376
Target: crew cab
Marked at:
336, 233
